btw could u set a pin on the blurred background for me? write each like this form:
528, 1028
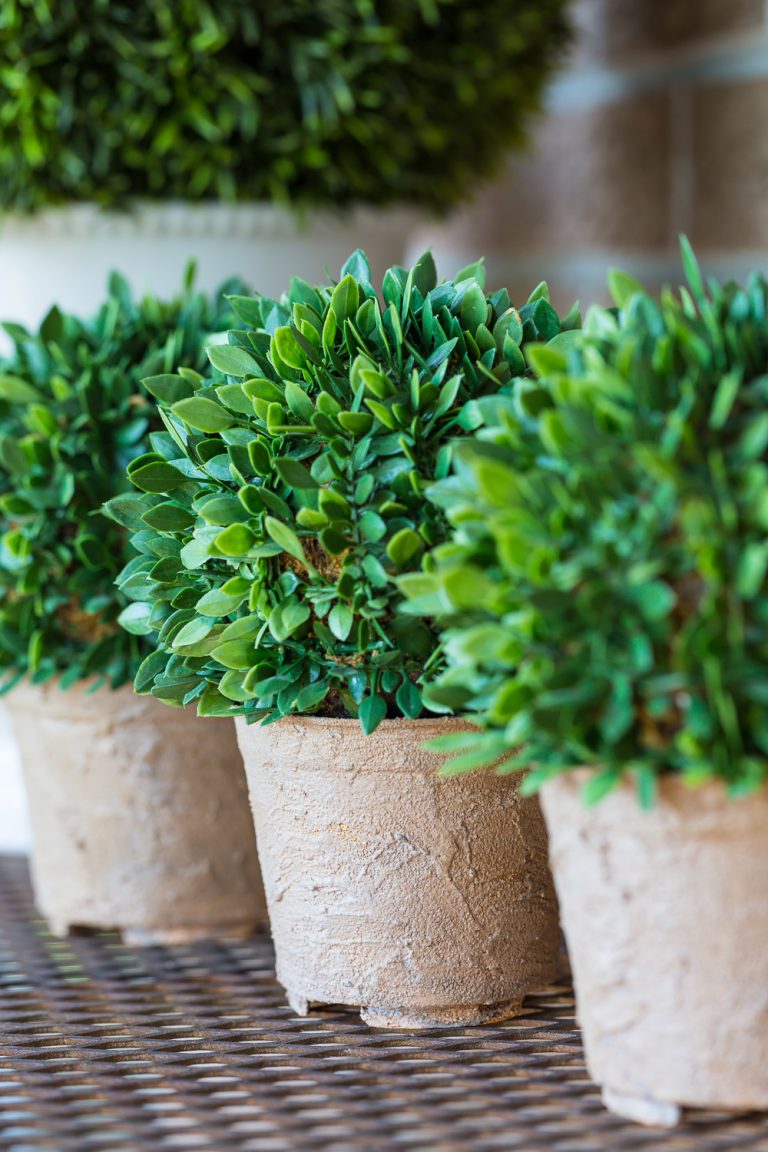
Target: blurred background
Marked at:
655, 126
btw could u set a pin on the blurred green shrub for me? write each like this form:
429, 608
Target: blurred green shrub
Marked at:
312, 102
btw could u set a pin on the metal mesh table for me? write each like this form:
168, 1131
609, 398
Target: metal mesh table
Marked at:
108, 1047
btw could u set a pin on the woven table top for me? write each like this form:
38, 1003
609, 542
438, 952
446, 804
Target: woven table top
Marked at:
108, 1047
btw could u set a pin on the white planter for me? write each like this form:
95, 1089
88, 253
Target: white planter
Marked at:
666, 917
64, 255
15, 835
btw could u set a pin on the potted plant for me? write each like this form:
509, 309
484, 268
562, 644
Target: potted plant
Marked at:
298, 487
258, 140
610, 545
139, 815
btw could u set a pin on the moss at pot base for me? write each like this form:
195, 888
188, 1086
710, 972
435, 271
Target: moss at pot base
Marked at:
666, 917
139, 816
420, 901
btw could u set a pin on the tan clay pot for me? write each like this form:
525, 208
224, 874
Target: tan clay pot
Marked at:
419, 900
666, 918
139, 814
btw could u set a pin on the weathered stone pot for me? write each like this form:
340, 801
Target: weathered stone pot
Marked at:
666, 918
139, 814
422, 901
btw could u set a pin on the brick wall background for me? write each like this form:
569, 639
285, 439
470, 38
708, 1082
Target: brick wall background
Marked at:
658, 125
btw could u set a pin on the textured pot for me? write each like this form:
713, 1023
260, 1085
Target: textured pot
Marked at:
421, 901
666, 917
64, 255
139, 815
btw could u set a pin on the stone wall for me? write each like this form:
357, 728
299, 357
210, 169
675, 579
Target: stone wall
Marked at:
658, 125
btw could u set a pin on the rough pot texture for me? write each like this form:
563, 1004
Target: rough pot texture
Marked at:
139, 816
422, 901
666, 918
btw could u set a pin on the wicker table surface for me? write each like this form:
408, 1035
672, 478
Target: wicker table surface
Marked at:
108, 1047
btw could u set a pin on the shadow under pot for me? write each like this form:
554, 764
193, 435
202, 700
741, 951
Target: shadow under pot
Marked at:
419, 900
665, 914
139, 814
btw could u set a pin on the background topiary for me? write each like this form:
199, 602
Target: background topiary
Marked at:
73, 413
307, 101
294, 494
611, 549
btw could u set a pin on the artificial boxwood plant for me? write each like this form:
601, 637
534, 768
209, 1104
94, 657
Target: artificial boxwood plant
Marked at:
290, 491
312, 102
73, 414
606, 583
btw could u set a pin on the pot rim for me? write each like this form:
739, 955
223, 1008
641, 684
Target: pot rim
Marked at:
672, 789
349, 723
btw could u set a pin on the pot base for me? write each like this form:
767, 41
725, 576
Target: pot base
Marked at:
642, 1109
161, 937
418, 1019
462, 1016
169, 937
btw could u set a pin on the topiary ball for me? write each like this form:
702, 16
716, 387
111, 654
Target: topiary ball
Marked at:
308, 102
293, 493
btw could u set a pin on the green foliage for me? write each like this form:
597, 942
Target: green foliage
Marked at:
308, 101
606, 580
73, 414
293, 494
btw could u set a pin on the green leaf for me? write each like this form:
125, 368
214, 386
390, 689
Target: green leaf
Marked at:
623, 287
217, 602
287, 618
404, 546
474, 271
236, 540
692, 269
14, 390
311, 696
356, 423
288, 348
157, 476
371, 713
345, 299
127, 509
167, 388
294, 474
425, 273
408, 700
136, 619
340, 621
285, 537
474, 308
234, 397
236, 654
232, 361
298, 401
168, 517
203, 414
357, 267
150, 667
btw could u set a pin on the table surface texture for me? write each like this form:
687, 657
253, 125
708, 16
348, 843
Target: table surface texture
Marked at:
108, 1047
